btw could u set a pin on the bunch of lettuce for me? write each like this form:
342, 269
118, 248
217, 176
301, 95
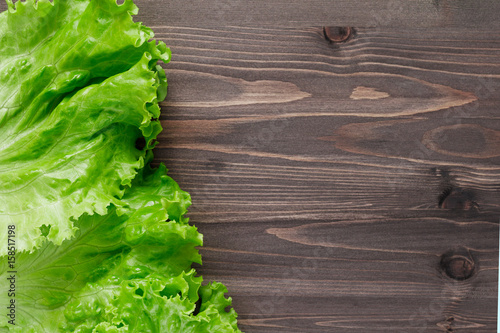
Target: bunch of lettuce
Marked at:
102, 244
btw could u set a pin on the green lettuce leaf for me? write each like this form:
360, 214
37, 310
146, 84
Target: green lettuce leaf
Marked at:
126, 271
79, 84
103, 244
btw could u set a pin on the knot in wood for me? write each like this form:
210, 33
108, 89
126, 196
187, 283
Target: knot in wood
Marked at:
338, 34
457, 199
458, 264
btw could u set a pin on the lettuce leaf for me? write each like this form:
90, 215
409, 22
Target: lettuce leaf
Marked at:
103, 244
126, 271
79, 85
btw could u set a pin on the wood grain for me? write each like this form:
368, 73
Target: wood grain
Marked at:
331, 194
279, 13
289, 14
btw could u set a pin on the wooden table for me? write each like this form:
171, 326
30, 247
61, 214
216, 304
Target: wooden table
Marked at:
343, 158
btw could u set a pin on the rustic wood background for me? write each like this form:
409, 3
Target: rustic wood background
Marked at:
341, 186
345, 179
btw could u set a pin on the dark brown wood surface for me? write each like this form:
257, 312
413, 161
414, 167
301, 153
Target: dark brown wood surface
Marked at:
341, 186
293, 13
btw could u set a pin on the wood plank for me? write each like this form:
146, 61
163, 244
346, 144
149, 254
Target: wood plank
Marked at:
361, 13
289, 14
332, 180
